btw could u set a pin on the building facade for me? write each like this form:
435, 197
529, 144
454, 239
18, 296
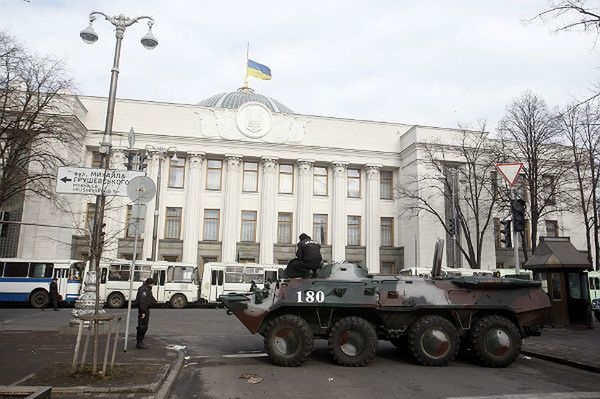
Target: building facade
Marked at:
249, 176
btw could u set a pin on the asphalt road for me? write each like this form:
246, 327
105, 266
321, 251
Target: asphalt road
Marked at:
219, 350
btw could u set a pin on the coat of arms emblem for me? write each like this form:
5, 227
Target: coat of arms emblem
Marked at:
255, 120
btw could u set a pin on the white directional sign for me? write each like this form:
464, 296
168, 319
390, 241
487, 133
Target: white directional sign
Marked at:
510, 171
93, 181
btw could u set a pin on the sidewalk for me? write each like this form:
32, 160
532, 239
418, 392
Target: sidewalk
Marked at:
573, 347
29, 357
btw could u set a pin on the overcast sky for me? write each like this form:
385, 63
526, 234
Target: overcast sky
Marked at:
423, 62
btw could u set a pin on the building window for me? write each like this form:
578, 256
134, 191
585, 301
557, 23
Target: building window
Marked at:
89, 216
170, 258
320, 228
320, 181
284, 228
214, 171
389, 268
353, 183
211, 224
173, 223
551, 228
386, 186
96, 159
387, 232
176, 173
286, 179
248, 226
250, 180
550, 189
4, 216
353, 230
134, 217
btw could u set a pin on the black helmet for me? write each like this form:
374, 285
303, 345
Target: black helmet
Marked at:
149, 281
304, 236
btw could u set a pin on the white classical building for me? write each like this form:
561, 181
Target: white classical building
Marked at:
249, 177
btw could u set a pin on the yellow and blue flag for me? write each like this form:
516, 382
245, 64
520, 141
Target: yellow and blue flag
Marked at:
258, 70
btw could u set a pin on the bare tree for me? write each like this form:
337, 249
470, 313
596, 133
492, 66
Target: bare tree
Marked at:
36, 134
581, 128
459, 174
529, 133
572, 15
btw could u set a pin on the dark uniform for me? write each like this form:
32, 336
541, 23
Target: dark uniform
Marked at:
308, 259
144, 299
54, 293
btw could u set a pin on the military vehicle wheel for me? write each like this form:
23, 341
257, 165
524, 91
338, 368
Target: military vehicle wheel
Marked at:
288, 340
353, 342
495, 341
178, 301
115, 300
433, 341
39, 299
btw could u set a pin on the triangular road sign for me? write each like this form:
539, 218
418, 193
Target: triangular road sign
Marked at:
510, 171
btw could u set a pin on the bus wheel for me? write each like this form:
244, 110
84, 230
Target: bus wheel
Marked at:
39, 299
178, 301
115, 300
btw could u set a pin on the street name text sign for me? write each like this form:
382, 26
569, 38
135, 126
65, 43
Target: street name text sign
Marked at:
92, 181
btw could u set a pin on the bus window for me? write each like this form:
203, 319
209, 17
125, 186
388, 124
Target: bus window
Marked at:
220, 281
16, 269
103, 276
40, 270
270, 275
118, 273
213, 277
1, 269
143, 273
162, 277
234, 274
253, 274
180, 274
281, 274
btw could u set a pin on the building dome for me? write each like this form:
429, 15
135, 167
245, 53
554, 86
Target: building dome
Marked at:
234, 99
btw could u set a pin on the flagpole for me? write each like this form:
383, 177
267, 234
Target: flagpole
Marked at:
246, 66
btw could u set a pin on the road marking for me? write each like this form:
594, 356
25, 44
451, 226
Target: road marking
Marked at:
550, 395
233, 355
24, 317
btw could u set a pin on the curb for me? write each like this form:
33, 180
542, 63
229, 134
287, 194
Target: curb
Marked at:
560, 360
168, 382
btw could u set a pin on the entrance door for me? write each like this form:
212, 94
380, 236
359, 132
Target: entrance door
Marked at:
558, 297
159, 287
216, 284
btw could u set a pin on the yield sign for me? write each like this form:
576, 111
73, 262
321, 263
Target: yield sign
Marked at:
510, 171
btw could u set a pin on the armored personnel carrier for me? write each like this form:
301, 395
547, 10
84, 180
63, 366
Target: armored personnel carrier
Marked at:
431, 317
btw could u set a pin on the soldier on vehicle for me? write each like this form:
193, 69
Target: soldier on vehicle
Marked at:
308, 259
144, 300
54, 293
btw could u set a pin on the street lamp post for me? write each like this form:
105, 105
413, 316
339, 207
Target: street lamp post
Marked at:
89, 36
161, 151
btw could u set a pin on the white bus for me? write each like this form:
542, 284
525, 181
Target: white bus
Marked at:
524, 274
446, 272
28, 280
174, 283
221, 278
594, 284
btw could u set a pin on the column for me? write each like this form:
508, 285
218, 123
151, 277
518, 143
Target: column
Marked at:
154, 162
231, 211
193, 205
114, 211
373, 221
338, 216
305, 191
268, 214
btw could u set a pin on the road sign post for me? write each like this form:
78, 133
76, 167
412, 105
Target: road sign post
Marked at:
94, 181
510, 171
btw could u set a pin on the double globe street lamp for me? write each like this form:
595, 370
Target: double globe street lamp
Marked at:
88, 35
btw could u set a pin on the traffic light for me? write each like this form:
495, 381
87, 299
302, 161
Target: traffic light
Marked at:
101, 233
505, 233
129, 163
518, 212
143, 157
451, 225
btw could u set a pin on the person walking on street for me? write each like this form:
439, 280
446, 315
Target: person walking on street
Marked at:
308, 259
144, 300
54, 293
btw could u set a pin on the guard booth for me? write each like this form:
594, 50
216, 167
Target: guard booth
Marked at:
561, 268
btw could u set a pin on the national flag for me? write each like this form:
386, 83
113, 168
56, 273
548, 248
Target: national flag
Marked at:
258, 70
